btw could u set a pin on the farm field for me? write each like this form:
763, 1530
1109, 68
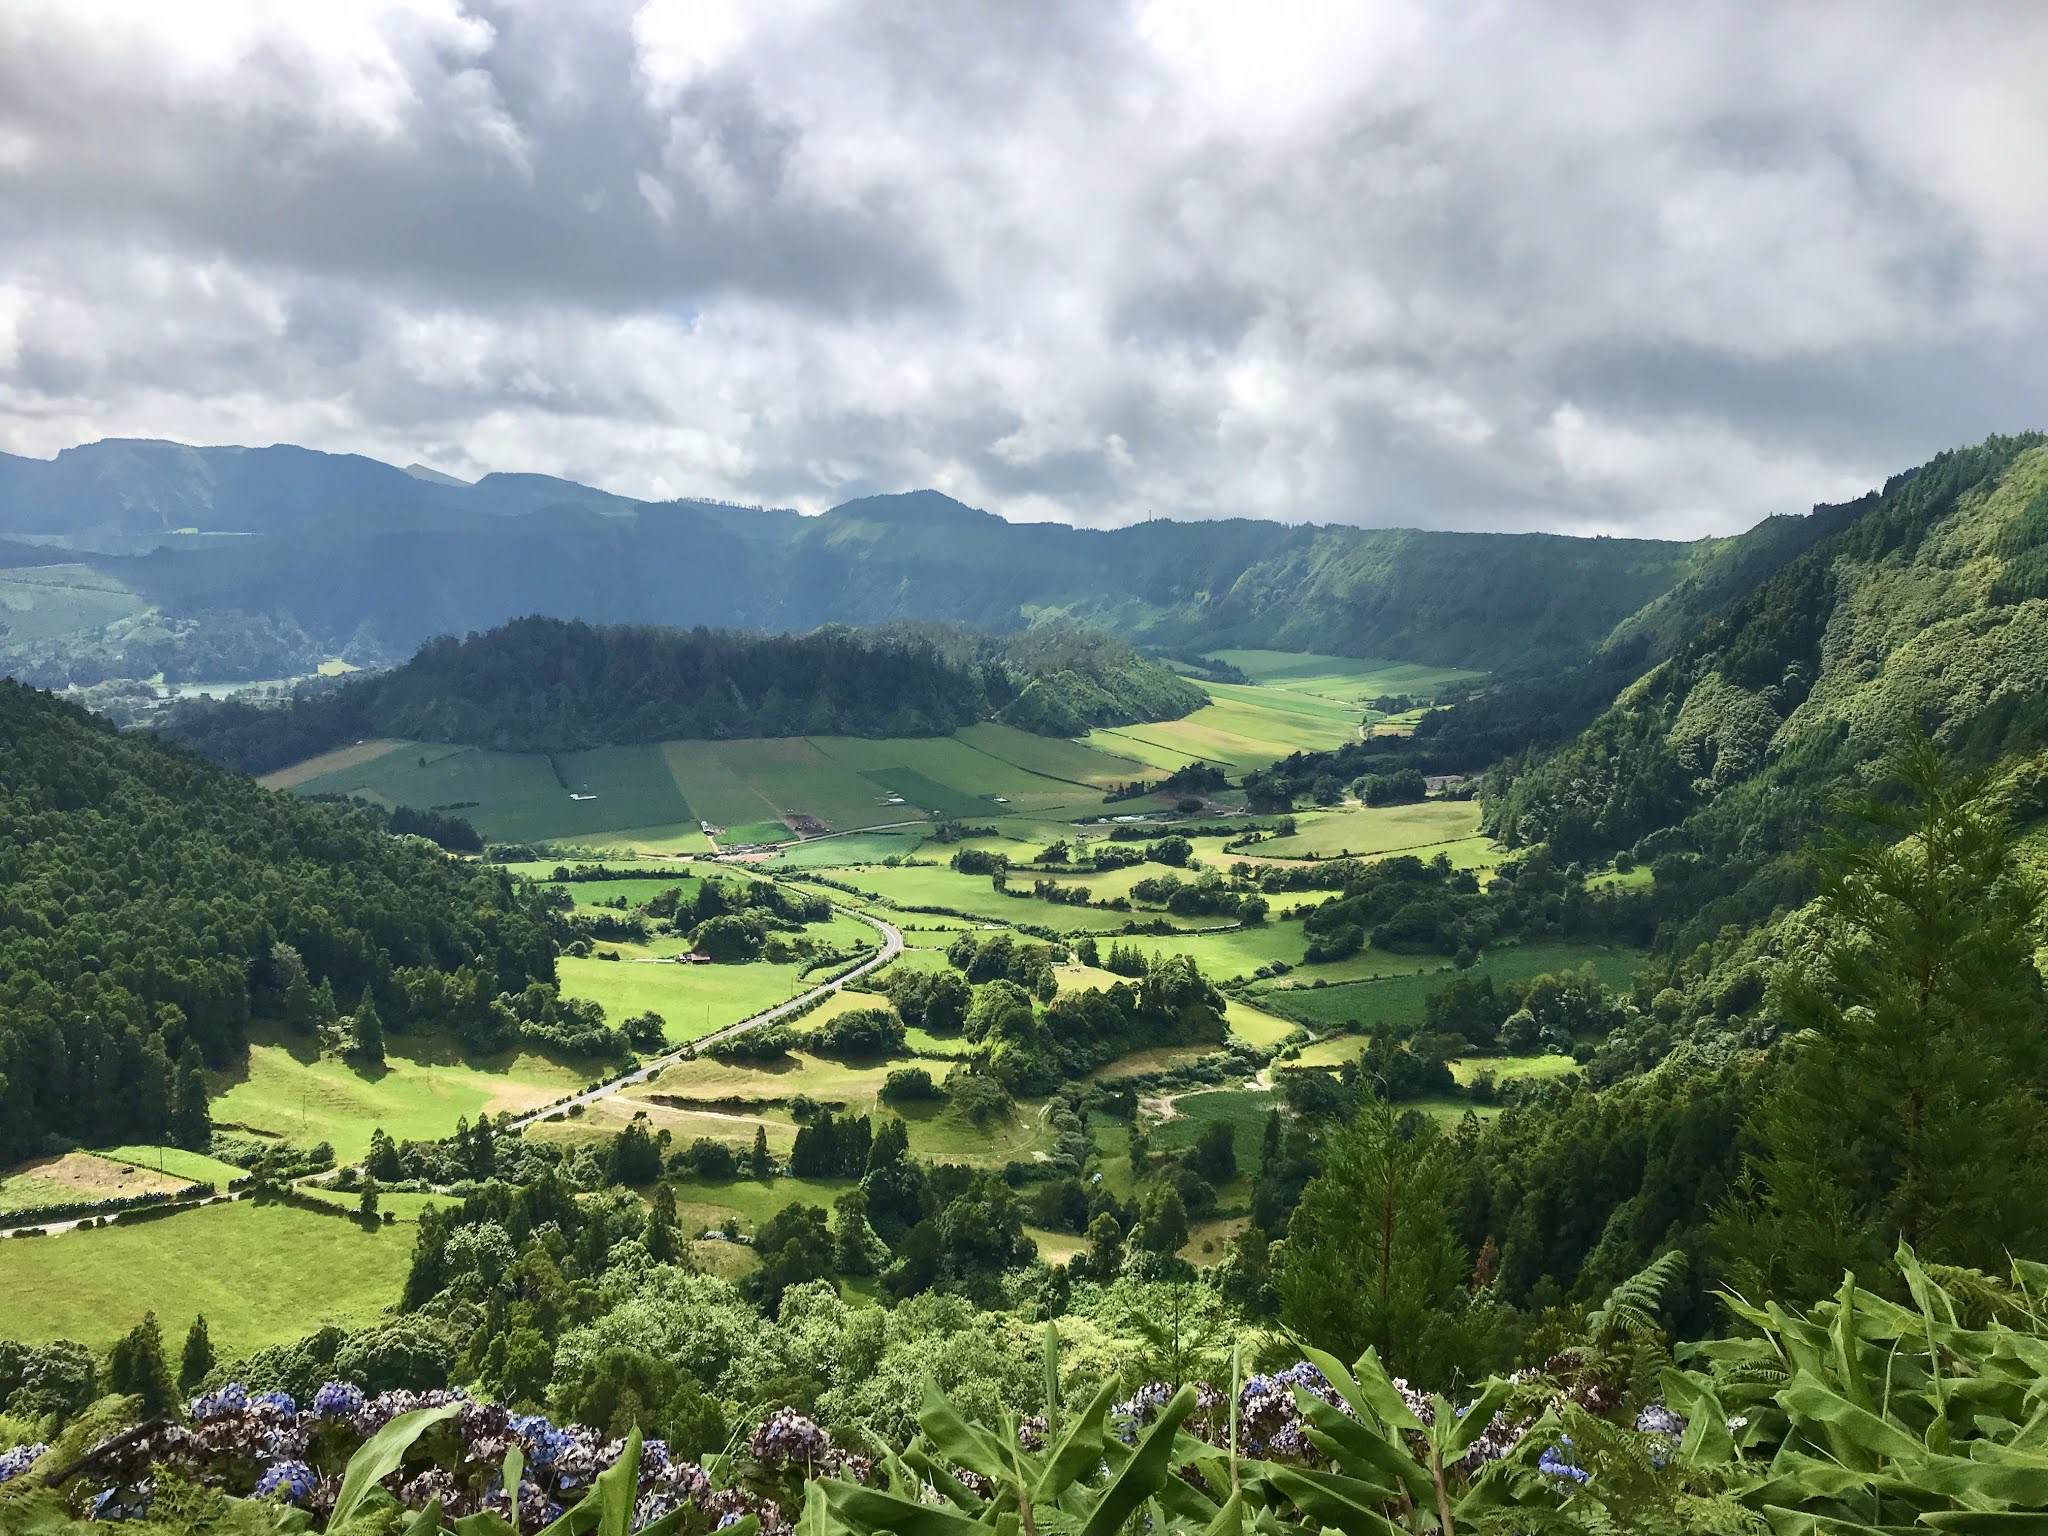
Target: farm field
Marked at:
938, 886
1240, 729
651, 797
516, 796
42, 602
1417, 829
1244, 1110
282, 1091
1399, 999
1344, 679
262, 1274
79, 1176
192, 1167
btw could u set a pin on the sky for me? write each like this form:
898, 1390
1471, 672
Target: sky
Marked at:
1592, 267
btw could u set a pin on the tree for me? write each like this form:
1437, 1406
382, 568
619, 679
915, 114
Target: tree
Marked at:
1215, 1154
758, 1162
1370, 1259
382, 1161
1910, 1109
1164, 1228
191, 1121
366, 1206
369, 1028
794, 1245
1105, 1254
198, 1357
136, 1368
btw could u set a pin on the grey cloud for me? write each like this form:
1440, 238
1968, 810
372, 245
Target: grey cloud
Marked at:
1562, 265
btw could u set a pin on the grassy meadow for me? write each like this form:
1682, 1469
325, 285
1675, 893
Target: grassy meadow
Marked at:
281, 1088
262, 1274
1400, 999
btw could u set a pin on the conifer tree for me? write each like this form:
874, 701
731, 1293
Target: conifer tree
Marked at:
369, 1045
1910, 1108
191, 1121
366, 1207
198, 1357
136, 1368
758, 1162
1370, 1258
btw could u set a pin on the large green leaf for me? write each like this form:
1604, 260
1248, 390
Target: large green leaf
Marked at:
381, 1455
1855, 1435
1340, 1502
860, 1509
965, 1443
1144, 1473
1078, 1451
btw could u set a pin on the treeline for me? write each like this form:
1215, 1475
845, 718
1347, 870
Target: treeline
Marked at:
147, 904
545, 685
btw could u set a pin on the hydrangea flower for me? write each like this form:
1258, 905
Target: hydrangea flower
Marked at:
337, 1400
1556, 1462
294, 1479
278, 1403
1659, 1420
788, 1437
232, 1398
17, 1461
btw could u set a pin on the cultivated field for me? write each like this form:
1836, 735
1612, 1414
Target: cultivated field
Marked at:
1399, 999
262, 1274
1421, 829
282, 1089
42, 602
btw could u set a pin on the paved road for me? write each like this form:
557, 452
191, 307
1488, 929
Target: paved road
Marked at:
892, 946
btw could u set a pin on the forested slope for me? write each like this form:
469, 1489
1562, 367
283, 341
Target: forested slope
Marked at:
144, 897
360, 553
1929, 608
545, 685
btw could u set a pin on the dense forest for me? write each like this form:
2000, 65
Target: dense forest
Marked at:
546, 685
151, 905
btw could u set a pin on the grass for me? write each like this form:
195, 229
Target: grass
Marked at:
43, 602
1400, 999
1239, 729
1344, 679
855, 848
283, 1089
1376, 829
938, 886
517, 796
79, 1176
193, 1167
341, 760
1244, 1110
637, 892
262, 1274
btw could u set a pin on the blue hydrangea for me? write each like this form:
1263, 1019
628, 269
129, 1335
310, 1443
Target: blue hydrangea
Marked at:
337, 1400
277, 1402
17, 1461
232, 1398
1556, 1462
294, 1479
1659, 1420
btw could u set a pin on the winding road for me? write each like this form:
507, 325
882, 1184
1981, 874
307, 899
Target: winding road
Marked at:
892, 946
647, 1071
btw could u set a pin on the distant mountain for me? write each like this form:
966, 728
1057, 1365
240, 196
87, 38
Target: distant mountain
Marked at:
359, 552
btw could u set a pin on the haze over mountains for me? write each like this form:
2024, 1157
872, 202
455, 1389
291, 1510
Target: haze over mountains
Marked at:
352, 550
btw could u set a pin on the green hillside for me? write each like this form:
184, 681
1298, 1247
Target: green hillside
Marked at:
1928, 609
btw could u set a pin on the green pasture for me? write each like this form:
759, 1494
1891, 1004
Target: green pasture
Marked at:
43, 602
939, 886
262, 1274
1360, 829
852, 849
1343, 679
193, 1167
1239, 729
1051, 757
282, 1088
1399, 999
1244, 1110
520, 796
590, 893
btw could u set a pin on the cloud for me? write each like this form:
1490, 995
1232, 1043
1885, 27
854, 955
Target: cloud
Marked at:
1561, 265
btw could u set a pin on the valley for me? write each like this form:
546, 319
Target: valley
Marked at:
572, 995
